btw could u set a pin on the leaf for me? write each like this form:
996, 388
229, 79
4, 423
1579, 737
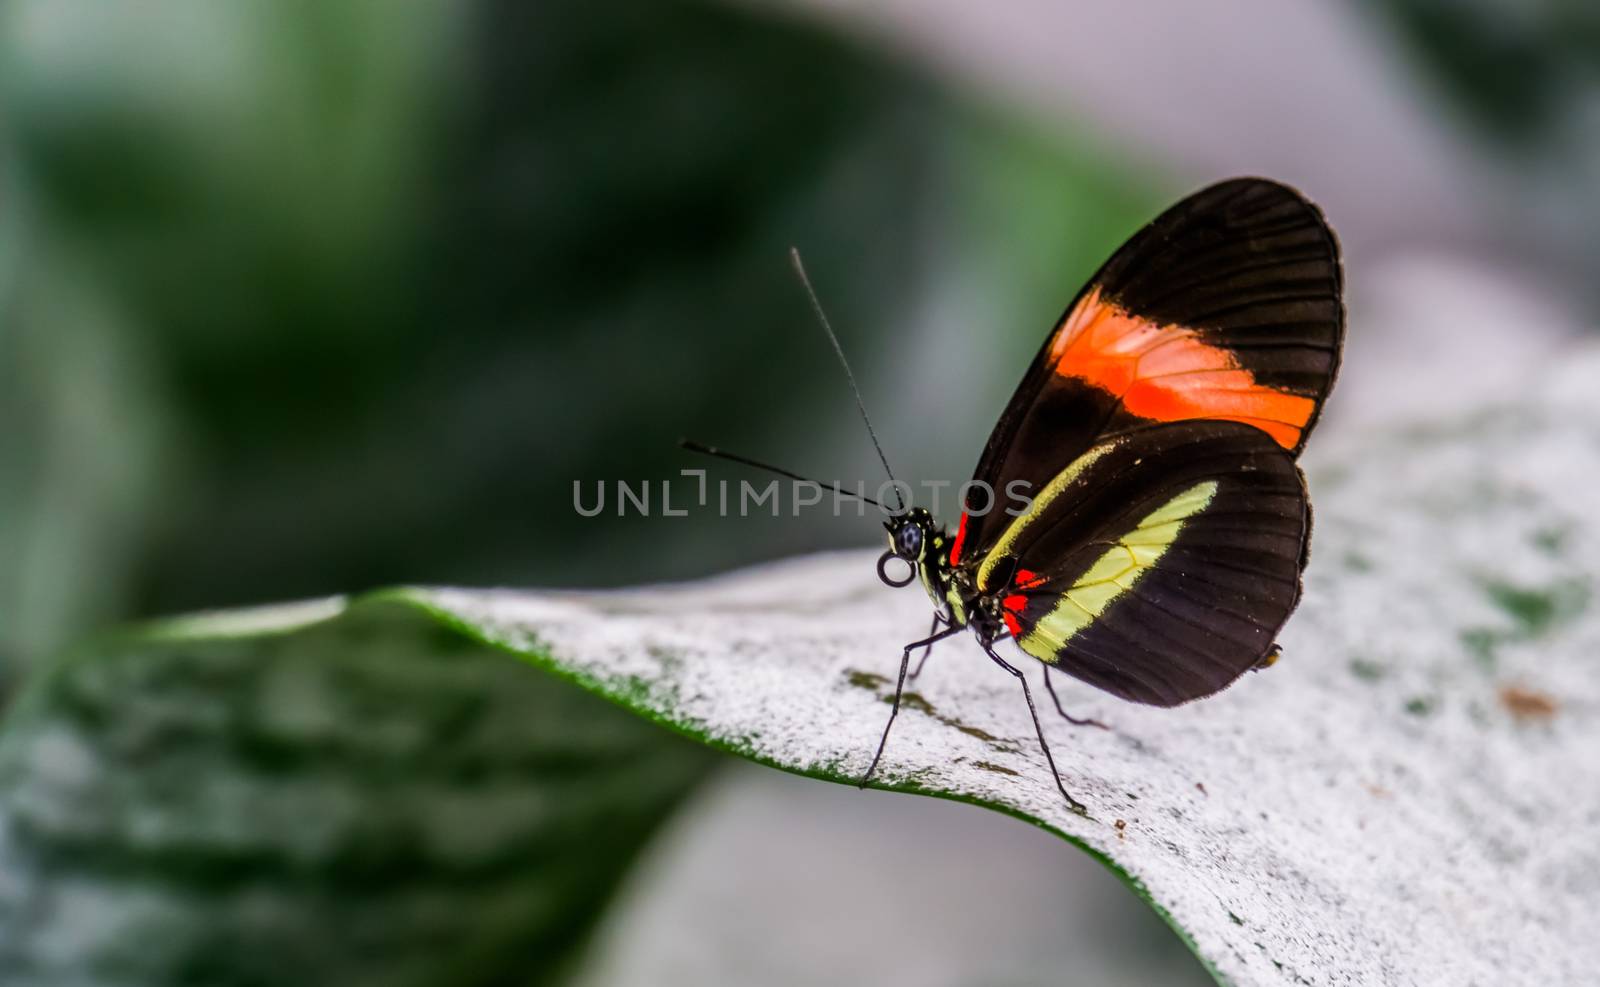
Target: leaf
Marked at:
1408, 796
282, 796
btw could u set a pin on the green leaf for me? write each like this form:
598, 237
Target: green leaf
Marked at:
1383, 803
290, 796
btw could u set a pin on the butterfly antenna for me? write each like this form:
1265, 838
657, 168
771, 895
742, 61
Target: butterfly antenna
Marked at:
734, 457
827, 327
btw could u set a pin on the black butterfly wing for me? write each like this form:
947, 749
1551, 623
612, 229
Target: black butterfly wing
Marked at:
1228, 306
1161, 564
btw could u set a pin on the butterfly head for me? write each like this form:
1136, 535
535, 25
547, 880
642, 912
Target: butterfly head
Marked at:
910, 534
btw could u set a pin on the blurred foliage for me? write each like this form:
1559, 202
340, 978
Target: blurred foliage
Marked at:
1523, 71
1526, 77
300, 297
309, 297
370, 801
345, 250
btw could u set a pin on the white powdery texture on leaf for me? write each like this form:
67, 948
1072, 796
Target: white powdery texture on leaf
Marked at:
1411, 795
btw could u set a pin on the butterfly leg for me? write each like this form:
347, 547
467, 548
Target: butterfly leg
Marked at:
927, 649
1074, 720
1027, 694
899, 688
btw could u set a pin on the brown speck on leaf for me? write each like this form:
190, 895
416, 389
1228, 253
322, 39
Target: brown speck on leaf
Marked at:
1201, 788
1527, 704
1122, 827
998, 769
1377, 791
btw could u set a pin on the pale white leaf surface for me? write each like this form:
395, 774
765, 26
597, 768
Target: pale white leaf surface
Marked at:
1412, 795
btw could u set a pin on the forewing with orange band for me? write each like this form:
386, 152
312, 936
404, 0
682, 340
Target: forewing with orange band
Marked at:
1227, 307
1168, 373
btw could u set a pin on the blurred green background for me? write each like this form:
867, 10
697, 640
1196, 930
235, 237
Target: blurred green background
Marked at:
304, 297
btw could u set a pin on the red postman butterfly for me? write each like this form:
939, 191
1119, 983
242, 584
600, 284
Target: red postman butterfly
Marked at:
1156, 433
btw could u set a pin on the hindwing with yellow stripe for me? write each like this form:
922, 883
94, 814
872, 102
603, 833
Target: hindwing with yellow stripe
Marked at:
1159, 565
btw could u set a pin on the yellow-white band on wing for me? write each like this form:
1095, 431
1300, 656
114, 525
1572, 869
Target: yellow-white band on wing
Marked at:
1040, 504
1115, 572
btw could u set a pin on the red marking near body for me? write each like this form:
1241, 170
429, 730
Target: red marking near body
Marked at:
1012, 606
1024, 579
961, 538
1169, 373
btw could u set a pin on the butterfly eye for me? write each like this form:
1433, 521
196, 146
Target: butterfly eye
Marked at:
908, 541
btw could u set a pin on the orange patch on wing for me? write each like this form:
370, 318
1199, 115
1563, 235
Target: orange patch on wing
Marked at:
1169, 373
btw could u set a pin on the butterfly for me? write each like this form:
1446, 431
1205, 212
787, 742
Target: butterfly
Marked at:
1156, 433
